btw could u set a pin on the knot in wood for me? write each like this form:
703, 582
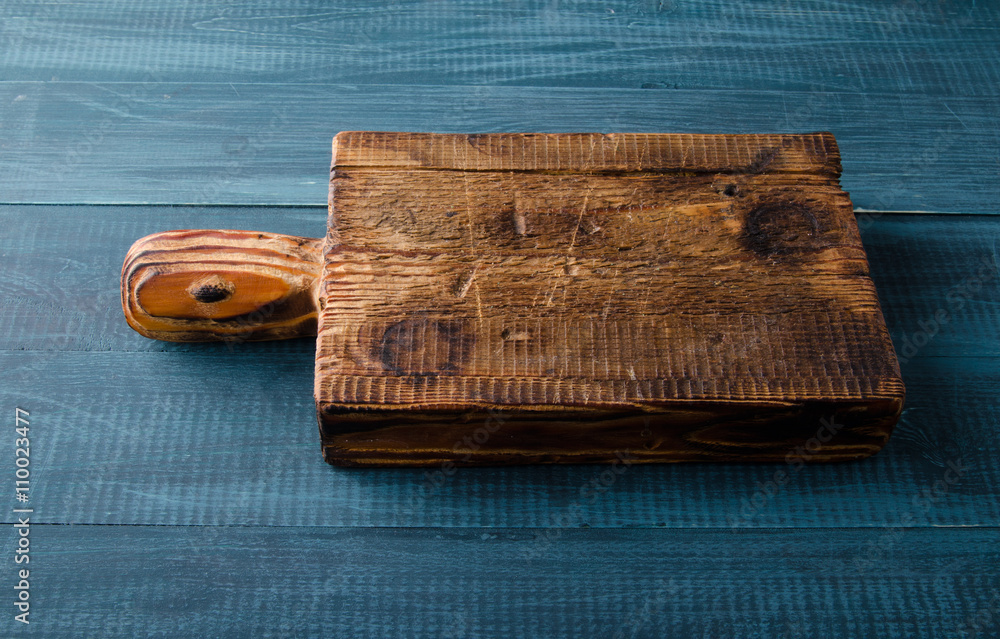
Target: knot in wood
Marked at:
211, 289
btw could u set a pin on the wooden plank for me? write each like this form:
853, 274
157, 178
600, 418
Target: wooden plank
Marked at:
639, 216
226, 438
60, 291
924, 48
643, 321
588, 153
90, 143
280, 582
199, 102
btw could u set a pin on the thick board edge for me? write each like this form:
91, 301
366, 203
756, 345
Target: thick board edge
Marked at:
590, 152
682, 431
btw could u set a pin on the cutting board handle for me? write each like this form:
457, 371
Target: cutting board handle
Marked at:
234, 286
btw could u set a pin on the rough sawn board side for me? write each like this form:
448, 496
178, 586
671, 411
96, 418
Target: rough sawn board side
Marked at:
517, 298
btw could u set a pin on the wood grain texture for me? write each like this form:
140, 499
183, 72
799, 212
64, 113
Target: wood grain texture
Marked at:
913, 48
67, 297
579, 296
71, 357
234, 103
228, 438
590, 153
61, 292
256, 144
198, 286
281, 582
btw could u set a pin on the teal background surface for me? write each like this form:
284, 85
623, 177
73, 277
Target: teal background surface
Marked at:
178, 489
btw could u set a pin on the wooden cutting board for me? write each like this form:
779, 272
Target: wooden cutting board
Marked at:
521, 298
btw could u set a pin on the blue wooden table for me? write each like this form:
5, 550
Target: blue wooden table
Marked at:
178, 491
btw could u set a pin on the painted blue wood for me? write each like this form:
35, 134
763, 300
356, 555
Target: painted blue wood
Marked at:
62, 265
178, 489
138, 581
60, 289
229, 438
939, 282
212, 434
925, 48
223, 439
266, 144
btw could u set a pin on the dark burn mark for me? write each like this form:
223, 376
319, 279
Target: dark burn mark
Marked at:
423, 346
211, 289
778, 227
479, 142
210, 293
761, 161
